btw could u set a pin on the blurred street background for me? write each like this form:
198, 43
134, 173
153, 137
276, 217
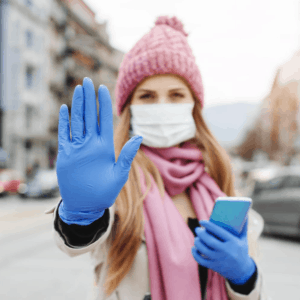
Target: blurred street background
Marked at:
249, 56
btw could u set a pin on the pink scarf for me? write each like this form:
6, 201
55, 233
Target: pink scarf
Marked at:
173, 269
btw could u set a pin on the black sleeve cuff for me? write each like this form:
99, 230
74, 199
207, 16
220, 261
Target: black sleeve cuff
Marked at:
247, 287
81, 236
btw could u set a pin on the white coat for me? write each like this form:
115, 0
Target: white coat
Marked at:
136, 283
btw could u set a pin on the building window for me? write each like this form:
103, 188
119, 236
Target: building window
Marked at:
29, 77
28, 3
29, 38
28, 144
29, 115
70, 81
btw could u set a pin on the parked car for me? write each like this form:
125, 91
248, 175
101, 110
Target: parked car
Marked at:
276, 196
43, 184
10, 181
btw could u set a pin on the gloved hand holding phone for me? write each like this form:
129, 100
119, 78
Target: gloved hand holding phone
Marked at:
89, 178
225, 253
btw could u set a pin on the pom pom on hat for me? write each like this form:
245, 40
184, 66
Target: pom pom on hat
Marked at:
172, 22
163, 50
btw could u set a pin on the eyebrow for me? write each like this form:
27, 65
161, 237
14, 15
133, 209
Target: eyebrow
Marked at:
151, 91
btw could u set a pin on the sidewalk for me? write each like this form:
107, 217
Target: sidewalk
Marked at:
280, 262
31, 265
17, 216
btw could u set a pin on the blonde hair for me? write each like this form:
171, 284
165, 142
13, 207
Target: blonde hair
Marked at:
128, 227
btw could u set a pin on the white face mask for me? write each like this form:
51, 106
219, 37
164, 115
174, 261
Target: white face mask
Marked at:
163, 125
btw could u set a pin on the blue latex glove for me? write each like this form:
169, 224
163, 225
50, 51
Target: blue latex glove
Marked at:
89, 178
224, 252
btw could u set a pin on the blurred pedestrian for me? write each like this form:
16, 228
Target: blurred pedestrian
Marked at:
31, 170
139, 216
36, 166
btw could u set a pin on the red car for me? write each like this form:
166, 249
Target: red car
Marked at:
10, 181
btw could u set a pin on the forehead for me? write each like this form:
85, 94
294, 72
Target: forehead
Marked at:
164, 81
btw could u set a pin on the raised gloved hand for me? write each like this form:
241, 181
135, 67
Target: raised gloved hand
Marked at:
89, 178
224, 252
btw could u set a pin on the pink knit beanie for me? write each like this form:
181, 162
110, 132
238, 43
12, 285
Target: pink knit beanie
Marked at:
163, 50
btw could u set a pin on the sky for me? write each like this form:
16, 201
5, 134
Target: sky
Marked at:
238, 44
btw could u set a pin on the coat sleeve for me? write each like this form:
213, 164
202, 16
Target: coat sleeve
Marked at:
255, 294
256, 224
64, 245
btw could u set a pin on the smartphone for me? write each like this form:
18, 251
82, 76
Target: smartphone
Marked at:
231, 213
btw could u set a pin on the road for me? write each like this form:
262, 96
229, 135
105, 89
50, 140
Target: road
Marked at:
32, 267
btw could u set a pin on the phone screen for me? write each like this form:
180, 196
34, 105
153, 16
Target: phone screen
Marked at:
231, 212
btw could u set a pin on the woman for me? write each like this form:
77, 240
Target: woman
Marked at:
139, 216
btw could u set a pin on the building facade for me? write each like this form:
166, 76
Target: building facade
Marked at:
276, 130
24, 89
49, 47
79, 48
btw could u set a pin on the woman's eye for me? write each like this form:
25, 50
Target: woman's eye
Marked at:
146, 96
177, 95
